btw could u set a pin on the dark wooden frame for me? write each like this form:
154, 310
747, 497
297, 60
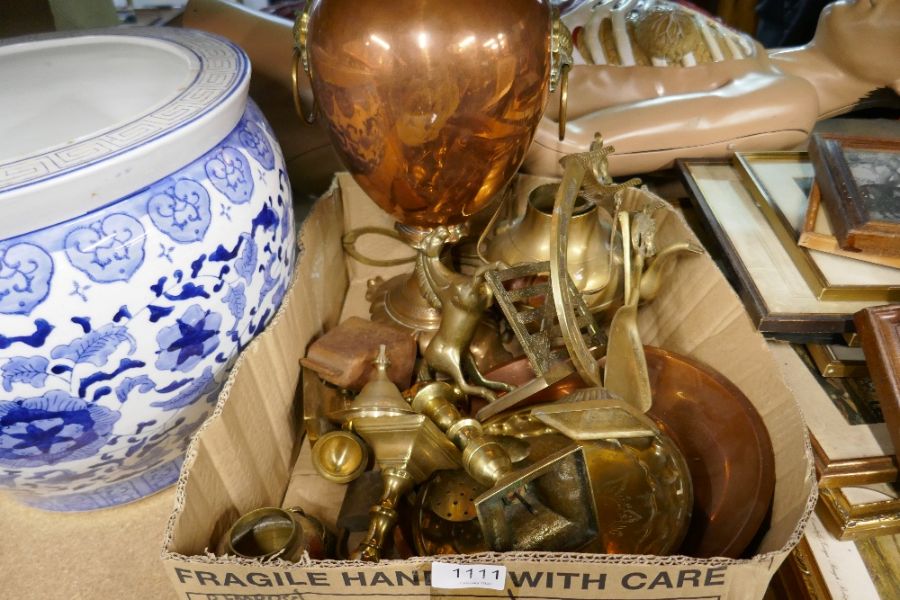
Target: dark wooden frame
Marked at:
853, 227
879, 332
786, 326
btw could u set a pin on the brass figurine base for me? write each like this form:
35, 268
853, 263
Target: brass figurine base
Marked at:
548, 506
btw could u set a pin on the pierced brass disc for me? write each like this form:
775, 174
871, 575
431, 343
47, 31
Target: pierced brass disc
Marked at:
451, 496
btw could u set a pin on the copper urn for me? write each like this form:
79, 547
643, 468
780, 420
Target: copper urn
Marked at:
431, 104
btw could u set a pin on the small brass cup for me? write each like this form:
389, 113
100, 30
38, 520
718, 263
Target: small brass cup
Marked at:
340, 456
276, 533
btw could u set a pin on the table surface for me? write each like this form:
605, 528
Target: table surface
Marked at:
107, 554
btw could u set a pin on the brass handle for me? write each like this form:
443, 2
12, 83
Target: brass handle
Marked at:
561, 49
563, 100
566, 194
301, 56
349, 243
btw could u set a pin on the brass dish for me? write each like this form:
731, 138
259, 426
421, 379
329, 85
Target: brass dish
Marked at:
340, 456
722, 437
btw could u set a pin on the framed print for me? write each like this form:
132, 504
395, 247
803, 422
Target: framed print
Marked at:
824, 568
818, 235
879, 332
780, 183
859, 181
776, 295
834, 360
851, 443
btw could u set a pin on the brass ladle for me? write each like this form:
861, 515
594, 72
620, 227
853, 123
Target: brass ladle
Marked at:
626, 374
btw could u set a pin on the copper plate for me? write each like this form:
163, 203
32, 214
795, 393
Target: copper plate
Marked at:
721, 435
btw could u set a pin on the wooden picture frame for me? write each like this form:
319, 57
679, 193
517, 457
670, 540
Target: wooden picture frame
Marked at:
776, 295
851, 446
834, 360
879, 332
859, 181
818, 234
780, 183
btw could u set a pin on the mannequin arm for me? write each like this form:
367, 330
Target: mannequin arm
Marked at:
754, 111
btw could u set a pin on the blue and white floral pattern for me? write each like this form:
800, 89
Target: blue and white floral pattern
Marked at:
229, 171
191, 339
118, 328
181, 210
108, 249
52, 428
257, 145
25, 273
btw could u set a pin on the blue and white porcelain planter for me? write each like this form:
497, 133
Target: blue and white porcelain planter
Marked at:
147, 236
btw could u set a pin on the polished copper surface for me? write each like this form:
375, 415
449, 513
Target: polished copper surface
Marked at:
720, 434
430, 104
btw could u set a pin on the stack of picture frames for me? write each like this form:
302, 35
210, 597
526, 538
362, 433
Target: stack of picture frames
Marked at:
811, 243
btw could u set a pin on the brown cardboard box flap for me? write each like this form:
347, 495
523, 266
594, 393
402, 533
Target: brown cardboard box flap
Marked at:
243, 456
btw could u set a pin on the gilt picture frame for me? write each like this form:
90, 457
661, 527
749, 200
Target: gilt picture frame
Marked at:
850, 441
781, 184
776, 295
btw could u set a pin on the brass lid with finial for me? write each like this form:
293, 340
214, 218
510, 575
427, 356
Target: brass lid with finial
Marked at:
379, 397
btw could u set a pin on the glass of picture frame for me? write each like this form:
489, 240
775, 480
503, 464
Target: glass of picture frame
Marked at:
776, 295
780, 183
835, 360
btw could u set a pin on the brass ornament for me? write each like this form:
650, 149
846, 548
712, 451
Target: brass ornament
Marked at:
444, 520
530, 310
626, 374
594, 251
462, 300
378, 398
408, 448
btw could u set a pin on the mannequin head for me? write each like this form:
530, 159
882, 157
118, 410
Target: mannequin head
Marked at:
862, 37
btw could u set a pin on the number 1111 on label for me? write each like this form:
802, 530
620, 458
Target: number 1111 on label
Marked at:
456, 576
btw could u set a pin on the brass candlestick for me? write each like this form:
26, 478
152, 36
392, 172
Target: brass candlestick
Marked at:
408, 448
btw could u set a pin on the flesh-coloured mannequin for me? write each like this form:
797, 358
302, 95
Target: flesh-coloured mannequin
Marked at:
689, 108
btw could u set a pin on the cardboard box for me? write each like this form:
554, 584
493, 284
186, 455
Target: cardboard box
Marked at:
243, 457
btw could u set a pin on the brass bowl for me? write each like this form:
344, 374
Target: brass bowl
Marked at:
273, 532
720, 434
340, 456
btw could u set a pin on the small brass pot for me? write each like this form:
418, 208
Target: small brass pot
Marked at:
340, 456
272, 532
